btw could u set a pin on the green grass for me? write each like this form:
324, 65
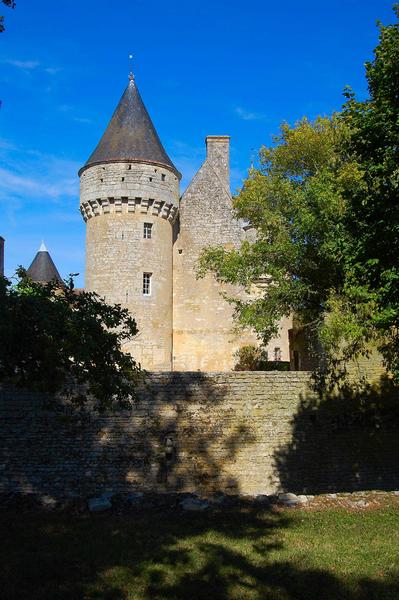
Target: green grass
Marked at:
254, 555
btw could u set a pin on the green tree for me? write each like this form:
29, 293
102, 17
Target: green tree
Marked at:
372, 218
10, 4
56, 340
295, 203
324, 205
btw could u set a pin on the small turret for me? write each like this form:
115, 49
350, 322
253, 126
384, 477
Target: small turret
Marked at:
43, 269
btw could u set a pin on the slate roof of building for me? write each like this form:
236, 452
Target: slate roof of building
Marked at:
43, 268
130, 135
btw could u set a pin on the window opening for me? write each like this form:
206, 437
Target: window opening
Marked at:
277, 354
147, 232
147, 284
163, 176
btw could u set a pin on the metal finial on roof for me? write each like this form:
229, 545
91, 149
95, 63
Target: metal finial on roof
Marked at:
42, 247
131, 76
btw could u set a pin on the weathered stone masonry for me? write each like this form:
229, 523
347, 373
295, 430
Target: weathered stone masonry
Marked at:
130, 183
247, 433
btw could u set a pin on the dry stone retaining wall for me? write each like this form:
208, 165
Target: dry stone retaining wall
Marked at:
238, 432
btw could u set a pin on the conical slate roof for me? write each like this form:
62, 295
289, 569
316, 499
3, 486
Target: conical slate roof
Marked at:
130, 135
42, 268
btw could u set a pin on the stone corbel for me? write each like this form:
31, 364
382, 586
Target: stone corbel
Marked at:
105, 205
156, 207
144, 205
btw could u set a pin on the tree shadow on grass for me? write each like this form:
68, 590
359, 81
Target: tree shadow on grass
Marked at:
239, 554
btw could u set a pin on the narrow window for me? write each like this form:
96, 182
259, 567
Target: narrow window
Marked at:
147, 232
163, 176
123, 179
129, 168
147, 284
150, 178
277, 354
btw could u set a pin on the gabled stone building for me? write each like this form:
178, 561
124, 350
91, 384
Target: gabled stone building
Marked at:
143, 242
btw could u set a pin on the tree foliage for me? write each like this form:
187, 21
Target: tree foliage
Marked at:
372, 273
10, 4
295, 203
324, 206
56, 340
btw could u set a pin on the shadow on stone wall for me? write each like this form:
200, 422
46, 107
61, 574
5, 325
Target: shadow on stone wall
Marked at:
345, 441
172, 440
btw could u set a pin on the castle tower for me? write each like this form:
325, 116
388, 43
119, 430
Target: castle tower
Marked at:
42, 268
129, 195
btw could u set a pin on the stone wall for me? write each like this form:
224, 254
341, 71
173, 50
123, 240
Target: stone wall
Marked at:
203, 328
240, 433
128, 180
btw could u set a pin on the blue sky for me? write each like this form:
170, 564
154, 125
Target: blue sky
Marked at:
202, 67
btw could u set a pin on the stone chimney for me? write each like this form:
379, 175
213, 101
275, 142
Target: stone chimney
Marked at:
218, 154
1, 255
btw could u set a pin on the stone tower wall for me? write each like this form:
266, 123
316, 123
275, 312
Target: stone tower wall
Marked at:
116, 200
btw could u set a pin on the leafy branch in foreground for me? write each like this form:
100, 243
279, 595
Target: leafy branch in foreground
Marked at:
10, 4
57, 340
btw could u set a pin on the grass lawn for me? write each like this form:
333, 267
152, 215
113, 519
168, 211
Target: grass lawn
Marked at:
255, 555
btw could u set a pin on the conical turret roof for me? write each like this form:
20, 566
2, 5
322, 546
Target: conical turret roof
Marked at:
43, 268
130, 135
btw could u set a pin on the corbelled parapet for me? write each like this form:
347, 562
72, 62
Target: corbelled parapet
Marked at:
127, 188
106, 206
